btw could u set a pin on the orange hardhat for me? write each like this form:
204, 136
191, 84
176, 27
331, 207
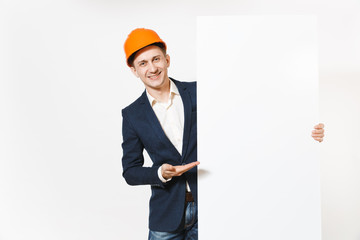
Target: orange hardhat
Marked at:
138, 39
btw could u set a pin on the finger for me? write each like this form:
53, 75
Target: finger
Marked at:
167, 167
317, 134
319, 139
319, 126
191, 165
184, 168
320, 131
314, 133
187, 167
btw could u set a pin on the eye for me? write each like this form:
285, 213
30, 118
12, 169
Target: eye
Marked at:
157, 59
141, 64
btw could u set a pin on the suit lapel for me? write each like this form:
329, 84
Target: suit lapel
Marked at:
185, 97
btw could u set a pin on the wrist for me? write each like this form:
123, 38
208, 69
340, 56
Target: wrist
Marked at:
161, 177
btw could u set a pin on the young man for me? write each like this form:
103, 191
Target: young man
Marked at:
163, 121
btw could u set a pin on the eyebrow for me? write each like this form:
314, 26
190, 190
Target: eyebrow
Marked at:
141, 61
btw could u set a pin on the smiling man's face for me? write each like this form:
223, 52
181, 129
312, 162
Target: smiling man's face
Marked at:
150, 65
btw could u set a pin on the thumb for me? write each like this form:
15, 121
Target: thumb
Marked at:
167, 167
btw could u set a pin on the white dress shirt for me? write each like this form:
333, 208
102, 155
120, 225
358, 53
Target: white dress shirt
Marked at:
171, 117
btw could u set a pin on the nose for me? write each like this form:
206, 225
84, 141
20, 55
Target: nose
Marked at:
152, 68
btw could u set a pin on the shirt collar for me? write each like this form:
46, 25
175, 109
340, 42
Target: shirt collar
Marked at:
173, 90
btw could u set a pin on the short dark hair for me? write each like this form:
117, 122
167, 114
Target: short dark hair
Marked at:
158, 44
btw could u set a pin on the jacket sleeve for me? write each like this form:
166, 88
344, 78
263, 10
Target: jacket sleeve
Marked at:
133, 158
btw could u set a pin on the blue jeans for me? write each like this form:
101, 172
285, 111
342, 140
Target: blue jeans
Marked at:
190, 231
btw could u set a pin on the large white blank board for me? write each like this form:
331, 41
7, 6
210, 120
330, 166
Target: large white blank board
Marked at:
257, 104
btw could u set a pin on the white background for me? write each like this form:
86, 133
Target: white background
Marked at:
64, 82
258, 180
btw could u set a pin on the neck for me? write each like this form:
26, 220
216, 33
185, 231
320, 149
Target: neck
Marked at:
160, 94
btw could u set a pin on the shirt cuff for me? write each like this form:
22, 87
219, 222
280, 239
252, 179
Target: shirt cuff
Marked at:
161, 177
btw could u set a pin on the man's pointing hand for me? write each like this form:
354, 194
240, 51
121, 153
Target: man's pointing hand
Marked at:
169, 171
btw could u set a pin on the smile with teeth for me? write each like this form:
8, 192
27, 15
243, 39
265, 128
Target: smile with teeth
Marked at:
154, 76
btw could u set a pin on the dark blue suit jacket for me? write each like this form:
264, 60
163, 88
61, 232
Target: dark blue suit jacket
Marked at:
141, 129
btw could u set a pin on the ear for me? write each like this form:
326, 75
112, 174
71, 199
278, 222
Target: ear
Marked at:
167, 57
133, 70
